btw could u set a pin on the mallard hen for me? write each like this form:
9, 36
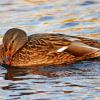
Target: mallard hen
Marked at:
45, 49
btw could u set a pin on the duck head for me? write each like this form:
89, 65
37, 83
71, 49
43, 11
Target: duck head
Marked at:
13, 40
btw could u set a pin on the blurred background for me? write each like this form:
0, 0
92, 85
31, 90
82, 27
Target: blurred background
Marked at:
80, 81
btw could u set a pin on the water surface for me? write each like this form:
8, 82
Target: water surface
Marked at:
80, 81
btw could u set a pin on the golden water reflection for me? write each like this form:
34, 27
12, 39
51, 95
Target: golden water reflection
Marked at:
74, 17
37, 16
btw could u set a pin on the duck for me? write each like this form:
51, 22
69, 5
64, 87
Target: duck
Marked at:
45, 49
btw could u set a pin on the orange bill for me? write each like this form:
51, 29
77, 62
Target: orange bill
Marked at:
7, 58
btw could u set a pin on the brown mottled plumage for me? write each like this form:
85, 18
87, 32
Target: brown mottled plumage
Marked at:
47, 49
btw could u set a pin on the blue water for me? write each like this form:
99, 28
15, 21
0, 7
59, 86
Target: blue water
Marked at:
80, 81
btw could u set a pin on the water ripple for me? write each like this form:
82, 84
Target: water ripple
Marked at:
69, 24
46, 18
86, 3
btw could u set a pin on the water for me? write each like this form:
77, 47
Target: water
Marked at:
80, 81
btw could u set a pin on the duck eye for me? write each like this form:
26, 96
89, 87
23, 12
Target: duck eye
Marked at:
13, 41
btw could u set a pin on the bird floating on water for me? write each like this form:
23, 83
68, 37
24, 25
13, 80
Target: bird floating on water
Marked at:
18, 49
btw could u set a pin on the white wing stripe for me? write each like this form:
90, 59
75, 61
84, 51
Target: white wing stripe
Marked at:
62, 49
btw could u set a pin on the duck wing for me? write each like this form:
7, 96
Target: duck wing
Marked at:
76, 46
48, 40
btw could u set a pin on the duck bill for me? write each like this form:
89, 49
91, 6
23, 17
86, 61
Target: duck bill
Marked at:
7, 58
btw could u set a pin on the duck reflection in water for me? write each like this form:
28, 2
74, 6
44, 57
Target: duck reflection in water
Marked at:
49, 71
80, 68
